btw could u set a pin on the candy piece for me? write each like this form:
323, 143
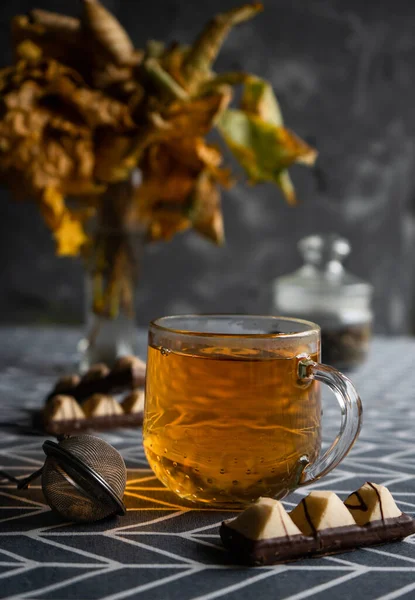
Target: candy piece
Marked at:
264, 534
372, 502
129, 361
100, 405
95, 372
265, 519
319, 511
134, 402
62, 408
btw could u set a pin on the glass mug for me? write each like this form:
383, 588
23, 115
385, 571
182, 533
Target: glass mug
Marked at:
233, 409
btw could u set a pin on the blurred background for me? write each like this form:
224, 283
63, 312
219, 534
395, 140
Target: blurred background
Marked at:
343, 72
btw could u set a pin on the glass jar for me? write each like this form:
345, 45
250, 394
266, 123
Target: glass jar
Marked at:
322, 291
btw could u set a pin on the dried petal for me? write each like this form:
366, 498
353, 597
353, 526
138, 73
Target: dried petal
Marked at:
162, 200
110, 74
263, 149
284, 182
97, 109
196, 119
195, 153
163, 80
165, 225
259, 99
207, 45
172, 61
66, 226
69, 236
28, 50
113, 160
50, 125
52, 21
57, 36
155, 49
52, 207
205, 210
214, 82
106, 31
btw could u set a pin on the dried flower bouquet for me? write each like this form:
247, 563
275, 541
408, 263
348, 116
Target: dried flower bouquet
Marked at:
82, 111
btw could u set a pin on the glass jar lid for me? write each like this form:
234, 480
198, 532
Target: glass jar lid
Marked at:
323, 272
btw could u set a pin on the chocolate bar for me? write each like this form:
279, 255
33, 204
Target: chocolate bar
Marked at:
127, 373
89, 423
319, 525
64, 415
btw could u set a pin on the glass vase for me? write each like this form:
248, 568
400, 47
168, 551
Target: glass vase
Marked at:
112, 277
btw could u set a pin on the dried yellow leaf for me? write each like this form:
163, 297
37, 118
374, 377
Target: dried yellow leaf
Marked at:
52, 207
206, 47
28, 50
106, 32
263, 149
66, 226
195, 118
69, 236
258, 99
50, 128
205, 210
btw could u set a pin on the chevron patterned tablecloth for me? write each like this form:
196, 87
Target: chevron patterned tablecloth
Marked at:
166, 550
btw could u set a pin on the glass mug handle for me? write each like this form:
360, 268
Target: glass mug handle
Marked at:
351, 417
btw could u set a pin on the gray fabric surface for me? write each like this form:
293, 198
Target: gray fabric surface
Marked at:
164, 549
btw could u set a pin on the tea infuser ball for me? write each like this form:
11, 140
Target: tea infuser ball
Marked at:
83, 478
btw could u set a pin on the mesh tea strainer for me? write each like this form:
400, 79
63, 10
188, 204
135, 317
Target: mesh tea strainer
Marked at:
83, 478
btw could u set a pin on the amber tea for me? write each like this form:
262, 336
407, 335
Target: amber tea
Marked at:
226, 425
232, 408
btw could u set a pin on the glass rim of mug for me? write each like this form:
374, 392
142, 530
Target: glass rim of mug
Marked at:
309, 328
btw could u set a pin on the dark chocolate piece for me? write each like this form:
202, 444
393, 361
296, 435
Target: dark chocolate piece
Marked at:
95, 372
329, 541
67, 383
128, 373
361, 506
264, 552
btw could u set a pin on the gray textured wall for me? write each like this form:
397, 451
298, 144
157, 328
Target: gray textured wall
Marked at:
344, 73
